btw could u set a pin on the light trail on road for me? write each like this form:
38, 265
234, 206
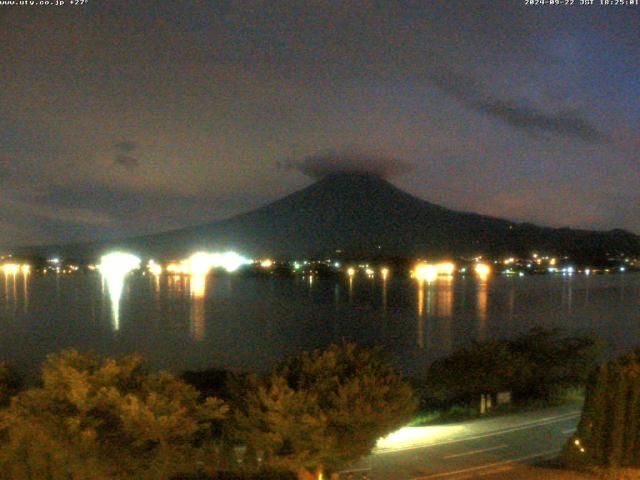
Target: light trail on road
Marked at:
473, 448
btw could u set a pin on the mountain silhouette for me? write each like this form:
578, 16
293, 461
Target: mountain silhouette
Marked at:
363, 215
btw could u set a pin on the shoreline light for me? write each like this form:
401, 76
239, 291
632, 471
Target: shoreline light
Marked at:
482, 270
384, 271
425, 272
154, 268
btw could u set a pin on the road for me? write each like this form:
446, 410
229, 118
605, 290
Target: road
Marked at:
469, 449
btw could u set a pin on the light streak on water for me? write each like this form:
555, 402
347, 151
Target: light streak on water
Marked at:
197, 288
114, 267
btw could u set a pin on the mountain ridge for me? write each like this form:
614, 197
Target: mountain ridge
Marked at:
364, 214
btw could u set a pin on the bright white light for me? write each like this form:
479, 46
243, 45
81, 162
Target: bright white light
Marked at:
425, 272
114, 267
230, 261
200, 263
446, 268
11, 268
413, 437
118, 263
154, 268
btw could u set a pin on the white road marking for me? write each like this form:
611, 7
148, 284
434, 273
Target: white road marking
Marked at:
548, 453
353, 470
474, 452
568, 431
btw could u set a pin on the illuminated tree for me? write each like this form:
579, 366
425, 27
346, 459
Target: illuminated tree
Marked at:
96, 418
323, 408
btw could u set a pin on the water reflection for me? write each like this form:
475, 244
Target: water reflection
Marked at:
567, 294
25, 290
425, 308
115, 285
482, 305
193, 322
384, 289
16, 290
114, 267
444, 310
444, 302
420, 336
511, 301
197, 288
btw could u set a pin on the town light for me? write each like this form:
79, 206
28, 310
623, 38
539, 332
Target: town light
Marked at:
425, 272
482, 270
446, 268
154, 268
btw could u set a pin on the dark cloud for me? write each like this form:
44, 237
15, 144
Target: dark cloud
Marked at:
568, 124
124, 156
136, 212
331, 163
518, 114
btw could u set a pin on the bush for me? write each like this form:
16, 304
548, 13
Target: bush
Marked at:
105, 419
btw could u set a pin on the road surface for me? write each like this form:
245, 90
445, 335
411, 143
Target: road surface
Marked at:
469, 449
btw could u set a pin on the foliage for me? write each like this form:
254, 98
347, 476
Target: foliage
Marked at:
96, 418
609, 431
323, 408
533, 367
10, 383
262, 474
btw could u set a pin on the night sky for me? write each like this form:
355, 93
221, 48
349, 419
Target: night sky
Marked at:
127, 117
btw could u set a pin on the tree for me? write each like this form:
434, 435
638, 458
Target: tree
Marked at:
532, 366
609, 430
323, 408
487, 367
96, 418
10, 383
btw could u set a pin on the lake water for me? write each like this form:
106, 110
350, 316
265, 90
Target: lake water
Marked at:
248, 322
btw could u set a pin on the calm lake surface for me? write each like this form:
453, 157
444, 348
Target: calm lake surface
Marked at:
248, 322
